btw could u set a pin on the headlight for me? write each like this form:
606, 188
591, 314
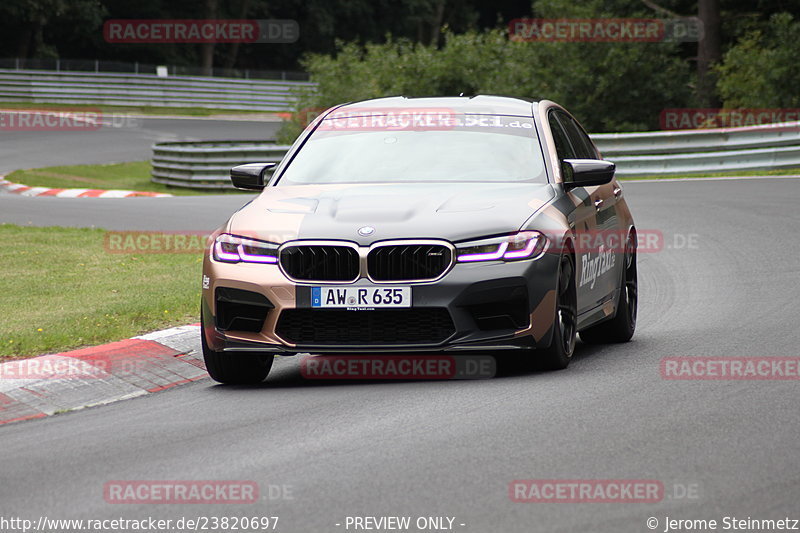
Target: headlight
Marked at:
233, 249
522, 245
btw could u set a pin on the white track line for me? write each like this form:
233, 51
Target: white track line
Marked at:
726, 178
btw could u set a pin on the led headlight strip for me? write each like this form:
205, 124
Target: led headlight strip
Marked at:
233, 249
522, 245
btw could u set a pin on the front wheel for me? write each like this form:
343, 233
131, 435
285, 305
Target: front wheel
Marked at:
235, 368
558, 355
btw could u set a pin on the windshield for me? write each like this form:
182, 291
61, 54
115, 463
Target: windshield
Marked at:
410, 147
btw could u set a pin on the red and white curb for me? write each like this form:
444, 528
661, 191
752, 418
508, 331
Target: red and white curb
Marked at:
24, 190
44, 385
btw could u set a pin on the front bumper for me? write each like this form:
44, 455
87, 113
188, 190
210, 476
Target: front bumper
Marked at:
475, 306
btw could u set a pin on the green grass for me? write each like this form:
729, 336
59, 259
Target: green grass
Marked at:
133, 176
60, 289
138, 110
774, 172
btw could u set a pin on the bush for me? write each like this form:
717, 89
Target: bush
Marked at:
762, 70
608, 86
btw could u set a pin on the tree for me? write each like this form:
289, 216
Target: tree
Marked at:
762, 70
709, 52
23, 24
609, 86
210, 12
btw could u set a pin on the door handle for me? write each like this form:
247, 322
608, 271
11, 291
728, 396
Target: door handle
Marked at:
598, 203
617, 191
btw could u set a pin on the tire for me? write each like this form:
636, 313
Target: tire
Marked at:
558, 355
235, 368
621, 327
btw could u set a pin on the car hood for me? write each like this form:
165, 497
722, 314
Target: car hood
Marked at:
453, 211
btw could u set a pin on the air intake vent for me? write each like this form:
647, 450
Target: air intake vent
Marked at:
409, 262
320, 262
310, 327
240, 310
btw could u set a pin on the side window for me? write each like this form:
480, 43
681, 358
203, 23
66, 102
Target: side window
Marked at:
563, 146
584, 148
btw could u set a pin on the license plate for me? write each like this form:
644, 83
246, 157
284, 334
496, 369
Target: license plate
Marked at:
360, 297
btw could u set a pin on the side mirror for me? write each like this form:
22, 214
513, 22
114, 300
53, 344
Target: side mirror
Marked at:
587, 172
250, 176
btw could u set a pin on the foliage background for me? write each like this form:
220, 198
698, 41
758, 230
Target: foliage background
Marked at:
360, 49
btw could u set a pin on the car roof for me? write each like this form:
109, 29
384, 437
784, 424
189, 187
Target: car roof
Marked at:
480, 104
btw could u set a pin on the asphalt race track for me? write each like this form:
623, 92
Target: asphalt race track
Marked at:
726, 283
130, 140
189, 213
121, 139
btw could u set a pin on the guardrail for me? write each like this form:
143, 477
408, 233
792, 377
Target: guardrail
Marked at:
770, 146
708, 162
137, 67
689, 141
206, 164
148, 90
